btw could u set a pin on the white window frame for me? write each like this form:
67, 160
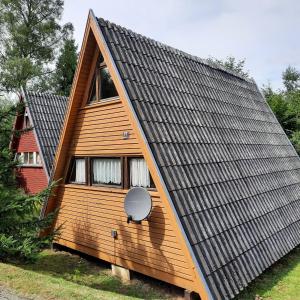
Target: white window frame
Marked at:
22, 156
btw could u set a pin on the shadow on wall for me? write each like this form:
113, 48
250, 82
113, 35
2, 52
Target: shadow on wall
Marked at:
85, 233
144, 242
22, 181
86, 225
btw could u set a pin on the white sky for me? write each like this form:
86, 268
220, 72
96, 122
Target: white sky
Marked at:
264, 32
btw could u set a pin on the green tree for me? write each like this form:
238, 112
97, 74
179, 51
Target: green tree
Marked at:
65, 68
29, 39
291, 78
284, 114
20, 222
232, 64
286, 104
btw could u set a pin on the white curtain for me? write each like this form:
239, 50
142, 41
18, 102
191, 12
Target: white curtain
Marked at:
107, 170
139, 173
80, 170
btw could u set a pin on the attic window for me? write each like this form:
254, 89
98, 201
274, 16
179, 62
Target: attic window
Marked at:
26, 123
102, 86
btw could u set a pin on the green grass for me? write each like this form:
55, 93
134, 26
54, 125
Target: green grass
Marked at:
280, 282
64, 276
61, 275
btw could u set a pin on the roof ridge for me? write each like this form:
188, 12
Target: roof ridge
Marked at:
204, 61
41, 94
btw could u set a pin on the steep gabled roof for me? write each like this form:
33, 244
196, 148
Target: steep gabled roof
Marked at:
47, 113
229, 169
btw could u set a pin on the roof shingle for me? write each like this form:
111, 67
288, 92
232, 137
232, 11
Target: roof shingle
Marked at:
47, 112
231, 172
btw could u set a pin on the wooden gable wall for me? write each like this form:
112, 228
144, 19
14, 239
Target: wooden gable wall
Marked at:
89, 213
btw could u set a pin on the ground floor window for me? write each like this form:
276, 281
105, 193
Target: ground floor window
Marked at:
122, 172
139, 173
78, 171
106, 171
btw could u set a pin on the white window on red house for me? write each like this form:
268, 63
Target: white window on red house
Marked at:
29, 158
37, 158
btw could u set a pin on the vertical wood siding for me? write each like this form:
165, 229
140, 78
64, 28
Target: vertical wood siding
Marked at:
88, 214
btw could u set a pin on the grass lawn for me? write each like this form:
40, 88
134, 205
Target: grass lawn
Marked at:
280, 282
61, 275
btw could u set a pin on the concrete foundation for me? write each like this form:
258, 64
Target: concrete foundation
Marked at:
122, 273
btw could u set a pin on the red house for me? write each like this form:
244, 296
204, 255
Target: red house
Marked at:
35, 149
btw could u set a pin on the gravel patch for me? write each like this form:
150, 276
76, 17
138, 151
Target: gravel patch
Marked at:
6, 294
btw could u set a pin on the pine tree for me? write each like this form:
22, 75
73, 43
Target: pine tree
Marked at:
65, 68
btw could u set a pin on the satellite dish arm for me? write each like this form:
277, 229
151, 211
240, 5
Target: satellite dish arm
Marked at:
129, 219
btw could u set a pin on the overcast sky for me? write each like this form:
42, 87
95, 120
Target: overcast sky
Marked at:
264, 32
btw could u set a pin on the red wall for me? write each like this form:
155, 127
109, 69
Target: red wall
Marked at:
27, 143
31, 179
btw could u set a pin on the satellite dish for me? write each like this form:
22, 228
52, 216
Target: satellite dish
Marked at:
137, 204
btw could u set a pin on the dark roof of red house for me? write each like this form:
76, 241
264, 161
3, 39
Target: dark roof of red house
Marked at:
230, 170
47, 112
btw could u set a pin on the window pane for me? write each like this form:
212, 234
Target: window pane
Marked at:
92, 96
30, 159
20, 158
26, 158
107, 171
107, 86
78, 171
26, 122
38, 159
100, 60
139, 173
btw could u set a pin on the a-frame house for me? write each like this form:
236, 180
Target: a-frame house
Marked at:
225, 180
42, 116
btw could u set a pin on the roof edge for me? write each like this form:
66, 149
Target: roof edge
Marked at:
204, 61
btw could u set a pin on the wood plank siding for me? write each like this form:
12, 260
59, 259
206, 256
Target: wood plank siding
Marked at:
88, 214
99, 131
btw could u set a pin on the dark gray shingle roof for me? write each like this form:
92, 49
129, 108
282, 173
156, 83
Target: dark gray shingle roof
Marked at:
47, 112
231, 172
